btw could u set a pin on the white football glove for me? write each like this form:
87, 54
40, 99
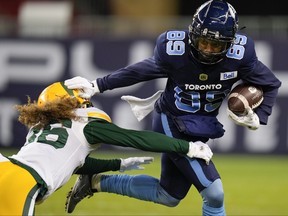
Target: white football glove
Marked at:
86, 87
200, 150
250, 120
133, 163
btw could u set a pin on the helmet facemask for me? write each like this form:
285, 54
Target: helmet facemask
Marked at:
214, 23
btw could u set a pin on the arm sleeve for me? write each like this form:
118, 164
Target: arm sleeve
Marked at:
254, 71
93, 166
270, 85
130, 75
104, 132
270, 88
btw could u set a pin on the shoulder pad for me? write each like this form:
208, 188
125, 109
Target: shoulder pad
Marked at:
93, 112
172, 49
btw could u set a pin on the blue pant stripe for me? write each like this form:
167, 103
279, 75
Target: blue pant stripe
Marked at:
166, 125
199, 172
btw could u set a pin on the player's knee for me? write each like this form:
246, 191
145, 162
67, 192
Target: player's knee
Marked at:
216, 199
213, 196
166, 199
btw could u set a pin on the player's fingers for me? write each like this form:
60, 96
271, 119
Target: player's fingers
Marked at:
74, 86
148, 160
145, 160
84, 95
70, 81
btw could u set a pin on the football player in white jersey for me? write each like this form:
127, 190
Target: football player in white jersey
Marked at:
63, 130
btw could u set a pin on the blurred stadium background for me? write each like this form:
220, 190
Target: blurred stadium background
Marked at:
46, 41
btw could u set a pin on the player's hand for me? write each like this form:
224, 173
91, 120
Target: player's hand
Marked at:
250, 120
86, 87
200, 150
133, 163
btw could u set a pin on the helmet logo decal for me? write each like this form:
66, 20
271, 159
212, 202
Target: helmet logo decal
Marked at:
203, 77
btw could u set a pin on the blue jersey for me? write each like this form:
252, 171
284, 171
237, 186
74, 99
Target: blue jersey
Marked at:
193, 87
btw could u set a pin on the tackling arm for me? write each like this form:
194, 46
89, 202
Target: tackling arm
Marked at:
104, 132
94, 165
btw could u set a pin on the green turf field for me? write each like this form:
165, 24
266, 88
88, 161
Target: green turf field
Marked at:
254, 185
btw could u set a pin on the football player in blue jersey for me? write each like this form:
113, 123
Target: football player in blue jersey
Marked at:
201, 65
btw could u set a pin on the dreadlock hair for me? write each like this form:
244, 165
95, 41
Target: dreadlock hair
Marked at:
31, 114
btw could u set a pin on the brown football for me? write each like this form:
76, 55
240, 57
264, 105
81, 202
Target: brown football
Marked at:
243, 96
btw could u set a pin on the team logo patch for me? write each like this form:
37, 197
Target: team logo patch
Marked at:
203, 77
228, 75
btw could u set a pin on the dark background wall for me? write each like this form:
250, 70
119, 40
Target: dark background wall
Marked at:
243, 7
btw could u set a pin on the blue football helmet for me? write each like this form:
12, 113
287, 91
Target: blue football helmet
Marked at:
216, 22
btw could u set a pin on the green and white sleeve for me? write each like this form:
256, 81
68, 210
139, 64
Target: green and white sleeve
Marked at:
109, 133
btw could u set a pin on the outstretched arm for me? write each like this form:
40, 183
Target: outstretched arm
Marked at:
142, 71
94, 165
104, 132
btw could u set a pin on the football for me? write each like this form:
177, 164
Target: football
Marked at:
243, 96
